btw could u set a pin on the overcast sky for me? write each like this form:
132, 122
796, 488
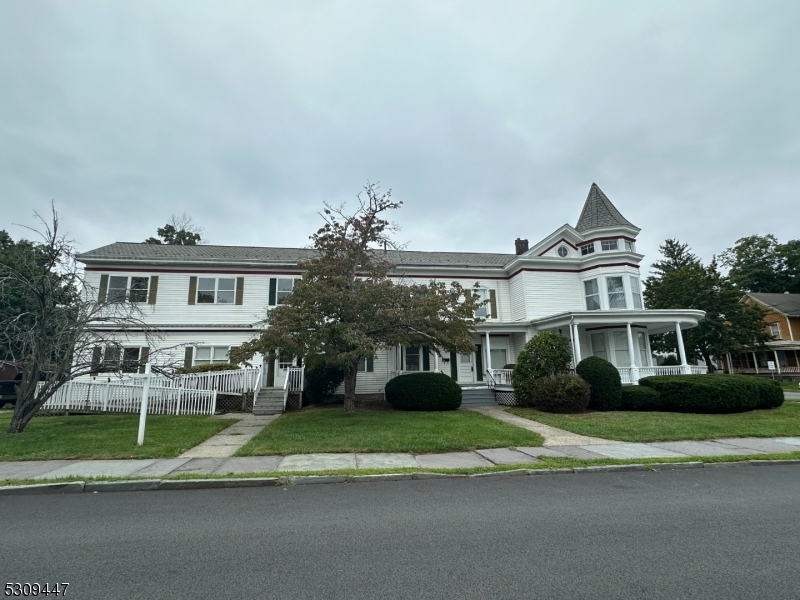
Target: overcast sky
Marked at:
489, 120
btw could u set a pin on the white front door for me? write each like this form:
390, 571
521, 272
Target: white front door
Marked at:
466, 368
282, 364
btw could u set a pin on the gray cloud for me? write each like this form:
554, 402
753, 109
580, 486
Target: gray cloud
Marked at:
489, 120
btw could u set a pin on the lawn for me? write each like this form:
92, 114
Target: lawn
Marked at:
790, 386
667, 426
364, 430
105, 436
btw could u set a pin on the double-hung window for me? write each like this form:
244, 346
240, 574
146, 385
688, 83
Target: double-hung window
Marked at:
592, 294
413, 362
121, 359
775, 330
587, 249
285, 287
122, 287
616, 292
607, 245
482, 311
216, 290
641, 337
204, 355
366, 365
599, 345
636, 293
629, 246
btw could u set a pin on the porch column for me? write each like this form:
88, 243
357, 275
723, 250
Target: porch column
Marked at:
777, 362
576, 343
488, 353
755, 362
435, 362
632, 354
681, 349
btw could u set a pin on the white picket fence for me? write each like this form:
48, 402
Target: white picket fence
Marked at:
166, 397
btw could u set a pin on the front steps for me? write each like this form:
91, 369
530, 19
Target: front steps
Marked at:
269, 402
477, 396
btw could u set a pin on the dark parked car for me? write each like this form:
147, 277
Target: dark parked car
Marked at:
10, 375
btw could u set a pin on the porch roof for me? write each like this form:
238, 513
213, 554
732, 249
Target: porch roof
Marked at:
656, 321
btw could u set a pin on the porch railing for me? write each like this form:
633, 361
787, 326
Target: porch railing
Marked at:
501, 377
632, 375
165, 397
295, 378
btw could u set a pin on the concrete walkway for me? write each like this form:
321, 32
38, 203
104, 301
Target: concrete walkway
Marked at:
322, 462
229, 440
552, 435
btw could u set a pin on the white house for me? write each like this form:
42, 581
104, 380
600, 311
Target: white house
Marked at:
582, 281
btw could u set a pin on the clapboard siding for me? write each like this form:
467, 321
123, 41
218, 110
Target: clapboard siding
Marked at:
516, 294
552, 293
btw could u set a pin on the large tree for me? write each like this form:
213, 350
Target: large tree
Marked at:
53, 325
351, 302
179, 231
759, 263
681, 280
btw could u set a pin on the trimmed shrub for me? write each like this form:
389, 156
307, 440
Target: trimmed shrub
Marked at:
770, 392
207, 368
561, 393
320, 382
640, 397
423, 391
671, 361
704, 393
546, 353
605, 383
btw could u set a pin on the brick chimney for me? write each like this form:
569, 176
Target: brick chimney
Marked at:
522, 246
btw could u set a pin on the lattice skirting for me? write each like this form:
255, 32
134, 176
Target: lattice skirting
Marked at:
505, 398
227, 403
294, 401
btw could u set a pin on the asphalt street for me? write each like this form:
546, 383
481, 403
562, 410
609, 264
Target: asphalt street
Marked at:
725, 533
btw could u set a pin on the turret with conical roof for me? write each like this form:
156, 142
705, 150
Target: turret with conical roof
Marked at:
598, 212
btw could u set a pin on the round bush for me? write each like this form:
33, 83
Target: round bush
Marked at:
605, 383
423, 391
561, 393
640, 397
546, 353
704, 393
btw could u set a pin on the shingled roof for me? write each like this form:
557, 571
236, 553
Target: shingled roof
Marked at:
788, 304
164, 253
599, 212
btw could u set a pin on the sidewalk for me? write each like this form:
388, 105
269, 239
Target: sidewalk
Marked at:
321, 462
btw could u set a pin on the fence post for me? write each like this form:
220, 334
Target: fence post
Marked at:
107, 387
178, 403
143, 411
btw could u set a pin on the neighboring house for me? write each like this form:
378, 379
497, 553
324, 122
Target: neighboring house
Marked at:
783, 322
581, 281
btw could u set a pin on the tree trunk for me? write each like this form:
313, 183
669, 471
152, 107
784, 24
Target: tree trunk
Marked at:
21, 417
709, 364
350, 387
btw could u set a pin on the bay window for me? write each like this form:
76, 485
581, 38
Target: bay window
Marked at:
592, 293
616, 293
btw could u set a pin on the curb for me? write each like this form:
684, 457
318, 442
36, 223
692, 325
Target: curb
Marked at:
141, 485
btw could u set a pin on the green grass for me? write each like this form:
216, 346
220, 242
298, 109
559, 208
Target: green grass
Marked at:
105, 436
333, 430
667, 426
790, 386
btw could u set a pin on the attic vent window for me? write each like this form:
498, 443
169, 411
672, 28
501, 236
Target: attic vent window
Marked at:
562, 251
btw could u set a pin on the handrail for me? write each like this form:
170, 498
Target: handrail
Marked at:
257, 386
490, 380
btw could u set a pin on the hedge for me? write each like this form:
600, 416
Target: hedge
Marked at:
705, 393
207, 368
423, 391
604, 381
546, 353
562, 393
770, 392
640, 397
